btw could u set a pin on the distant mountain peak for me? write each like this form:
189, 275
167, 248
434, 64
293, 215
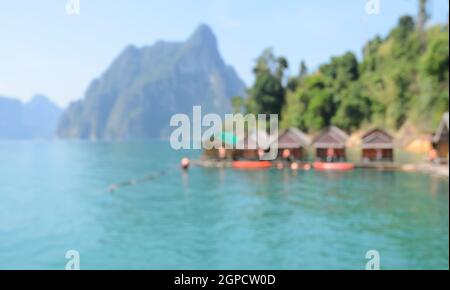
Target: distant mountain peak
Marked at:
40, 99
204, 30
136, 96
130, 50
204, 35
36, 118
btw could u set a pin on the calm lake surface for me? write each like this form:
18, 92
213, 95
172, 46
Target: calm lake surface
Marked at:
54, 197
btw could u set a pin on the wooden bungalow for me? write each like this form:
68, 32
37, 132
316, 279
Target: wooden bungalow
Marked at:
377, 145
222, 146
330, 145
253, 146
440, 140
292, 144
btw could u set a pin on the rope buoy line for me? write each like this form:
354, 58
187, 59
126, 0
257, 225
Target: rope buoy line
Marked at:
185, 163
132, 182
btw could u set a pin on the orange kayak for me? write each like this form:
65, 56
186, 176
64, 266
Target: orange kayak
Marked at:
333, 166
251, 164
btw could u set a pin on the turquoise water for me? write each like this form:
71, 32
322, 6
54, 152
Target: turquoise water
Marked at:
54, 198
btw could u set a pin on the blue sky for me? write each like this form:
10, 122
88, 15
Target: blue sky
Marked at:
45, 50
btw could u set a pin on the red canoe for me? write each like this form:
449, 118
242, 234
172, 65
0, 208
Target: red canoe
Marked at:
251, 164
333, 166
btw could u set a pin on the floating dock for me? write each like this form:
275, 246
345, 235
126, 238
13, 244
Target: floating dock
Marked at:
433, 169
440, 170
379, 165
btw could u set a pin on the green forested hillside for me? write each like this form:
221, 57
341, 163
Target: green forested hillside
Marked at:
403, 77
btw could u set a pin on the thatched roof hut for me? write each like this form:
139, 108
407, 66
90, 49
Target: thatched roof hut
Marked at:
292, 143
253, 144
331, 137
221, 146
330, 144
442, 131
377, 145
440, 139
293, 138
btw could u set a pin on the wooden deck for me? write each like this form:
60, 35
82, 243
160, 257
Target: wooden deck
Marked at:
439, 170
433, 169
379, 165
212, 163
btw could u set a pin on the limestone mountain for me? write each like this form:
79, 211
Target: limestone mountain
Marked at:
36, 119
144, 87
